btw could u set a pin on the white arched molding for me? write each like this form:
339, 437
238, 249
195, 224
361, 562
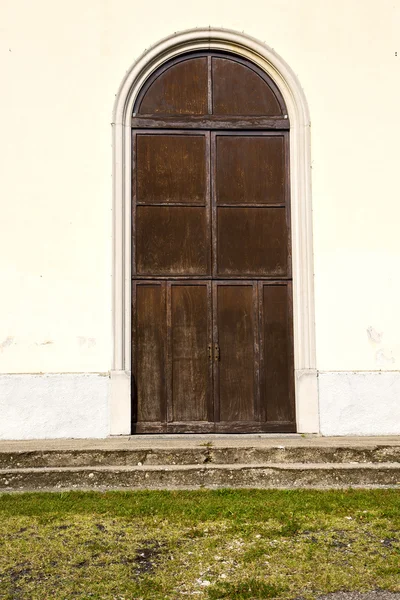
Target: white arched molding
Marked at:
301, 214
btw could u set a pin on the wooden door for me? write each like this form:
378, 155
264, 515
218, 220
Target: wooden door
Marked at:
173, 370
212, 343
253, 361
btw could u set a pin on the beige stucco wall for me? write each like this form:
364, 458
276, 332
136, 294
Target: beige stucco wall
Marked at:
61, 64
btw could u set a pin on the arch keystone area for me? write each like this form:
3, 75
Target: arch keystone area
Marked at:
306, 389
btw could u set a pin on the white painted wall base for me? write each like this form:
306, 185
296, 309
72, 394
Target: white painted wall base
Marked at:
73, 405
359, 403
78, 405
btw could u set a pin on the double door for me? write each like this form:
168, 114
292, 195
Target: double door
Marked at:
212, 301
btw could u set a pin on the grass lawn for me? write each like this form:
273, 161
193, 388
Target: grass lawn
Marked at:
232, 544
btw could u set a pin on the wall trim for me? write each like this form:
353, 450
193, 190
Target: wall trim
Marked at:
301, 213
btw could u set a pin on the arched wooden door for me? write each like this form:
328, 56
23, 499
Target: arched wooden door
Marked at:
212, 343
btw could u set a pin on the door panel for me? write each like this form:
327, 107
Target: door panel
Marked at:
252, 242
172, 368
250, 208
277, 384
172, 240
171, 204
250, 169
149, 352
171, 168
238, 90
235, 331
190, 337
180, 90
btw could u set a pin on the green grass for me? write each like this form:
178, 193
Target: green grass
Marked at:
211, 545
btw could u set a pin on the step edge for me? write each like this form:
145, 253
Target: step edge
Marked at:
392, 466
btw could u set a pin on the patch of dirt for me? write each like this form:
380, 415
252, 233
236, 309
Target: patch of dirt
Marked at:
388, 542
81, 564
17, 575
23, 572
147, 556
338, 544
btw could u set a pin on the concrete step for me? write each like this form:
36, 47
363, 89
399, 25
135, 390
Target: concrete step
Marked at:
278, 475
188, 462
199, 455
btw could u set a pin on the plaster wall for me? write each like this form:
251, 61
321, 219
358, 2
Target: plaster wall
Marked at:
359, 403
54, 406
62, 63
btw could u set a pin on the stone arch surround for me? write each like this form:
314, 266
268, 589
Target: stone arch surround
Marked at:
306, 388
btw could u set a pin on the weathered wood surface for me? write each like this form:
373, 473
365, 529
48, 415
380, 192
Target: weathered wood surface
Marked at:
240, 90
171, 169
180, 90
212, 305
211, 122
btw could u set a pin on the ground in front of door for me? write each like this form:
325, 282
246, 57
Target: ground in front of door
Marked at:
206, 544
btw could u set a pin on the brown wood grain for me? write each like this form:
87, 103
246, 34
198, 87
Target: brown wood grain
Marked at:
251, 241
181, 89
210, 122
212, 331
236, 334
250, 169
190, 336
149, 352
277, 388
240, 90
172, 240
211, 427
171, 169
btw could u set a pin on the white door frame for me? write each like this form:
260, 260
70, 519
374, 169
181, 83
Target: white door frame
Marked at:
306, 388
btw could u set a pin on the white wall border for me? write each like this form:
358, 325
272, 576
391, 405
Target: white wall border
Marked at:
301, 213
